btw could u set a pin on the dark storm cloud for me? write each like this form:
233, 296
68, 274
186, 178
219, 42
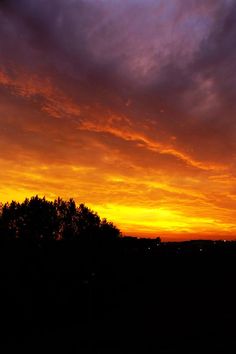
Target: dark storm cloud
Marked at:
106, 38
170, 63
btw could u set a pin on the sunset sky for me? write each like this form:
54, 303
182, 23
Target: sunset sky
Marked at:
128, 106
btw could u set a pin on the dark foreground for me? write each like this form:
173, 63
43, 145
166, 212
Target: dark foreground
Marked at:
119, 298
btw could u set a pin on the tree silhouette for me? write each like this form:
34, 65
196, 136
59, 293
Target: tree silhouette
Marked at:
41, 220
66, 219
108, 231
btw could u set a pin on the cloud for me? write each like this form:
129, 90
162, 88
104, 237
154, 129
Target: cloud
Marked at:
136, 87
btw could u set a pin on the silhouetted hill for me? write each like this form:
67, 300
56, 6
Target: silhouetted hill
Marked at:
120, 299
99, 294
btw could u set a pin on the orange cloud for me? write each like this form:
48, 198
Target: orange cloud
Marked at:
147, 143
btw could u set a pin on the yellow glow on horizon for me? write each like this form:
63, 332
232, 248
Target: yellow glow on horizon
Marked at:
147, 206
160, 219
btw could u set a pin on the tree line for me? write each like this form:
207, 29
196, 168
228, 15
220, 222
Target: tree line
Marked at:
41, 220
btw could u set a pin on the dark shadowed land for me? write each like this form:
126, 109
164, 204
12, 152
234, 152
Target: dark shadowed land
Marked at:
96, 291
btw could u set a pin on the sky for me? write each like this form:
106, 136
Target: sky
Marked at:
127, 106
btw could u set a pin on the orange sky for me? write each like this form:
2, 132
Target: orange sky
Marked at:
136, 119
